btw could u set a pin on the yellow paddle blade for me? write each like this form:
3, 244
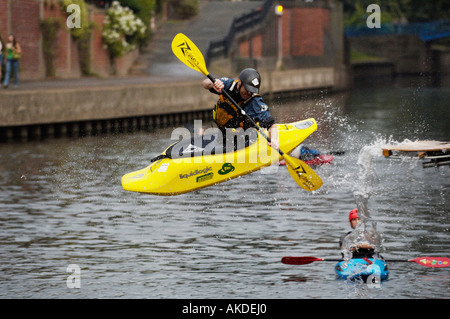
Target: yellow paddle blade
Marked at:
188, 53
302, 174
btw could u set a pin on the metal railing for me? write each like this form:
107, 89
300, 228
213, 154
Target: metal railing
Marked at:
240, 24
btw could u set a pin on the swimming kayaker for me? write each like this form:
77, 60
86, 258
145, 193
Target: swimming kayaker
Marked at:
245, 91
303, 153
363, 249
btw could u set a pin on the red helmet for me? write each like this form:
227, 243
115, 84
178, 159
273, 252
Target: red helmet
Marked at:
353, 214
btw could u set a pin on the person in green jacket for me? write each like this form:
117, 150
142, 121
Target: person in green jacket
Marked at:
13, 54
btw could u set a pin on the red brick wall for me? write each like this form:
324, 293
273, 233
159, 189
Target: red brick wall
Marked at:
286, 31
302, 34
3, 19
25, 16
244, 49
257, 45
66, 64
307, 31
252, 47
326, 20
100, 63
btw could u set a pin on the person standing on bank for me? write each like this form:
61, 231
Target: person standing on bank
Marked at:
245, 91
13, 54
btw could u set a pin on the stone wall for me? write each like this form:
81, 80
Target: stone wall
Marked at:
408, 53
120, 101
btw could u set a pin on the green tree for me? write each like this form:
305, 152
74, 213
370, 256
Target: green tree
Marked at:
49, 29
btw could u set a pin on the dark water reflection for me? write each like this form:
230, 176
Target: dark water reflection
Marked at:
62, 203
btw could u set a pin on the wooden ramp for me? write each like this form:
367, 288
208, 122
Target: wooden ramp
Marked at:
438, 153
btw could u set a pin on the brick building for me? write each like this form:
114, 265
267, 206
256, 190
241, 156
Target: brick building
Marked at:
22, 18
311, 36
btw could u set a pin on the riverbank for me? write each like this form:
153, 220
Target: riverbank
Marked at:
92, 105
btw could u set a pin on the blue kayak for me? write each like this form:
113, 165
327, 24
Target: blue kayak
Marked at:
362, 268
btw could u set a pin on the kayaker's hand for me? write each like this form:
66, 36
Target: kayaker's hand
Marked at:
365, 245
218, 86
273, 134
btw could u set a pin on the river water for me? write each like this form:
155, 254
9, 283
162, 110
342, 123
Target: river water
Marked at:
69, 230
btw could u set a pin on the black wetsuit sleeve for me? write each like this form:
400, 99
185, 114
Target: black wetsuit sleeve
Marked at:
267, 123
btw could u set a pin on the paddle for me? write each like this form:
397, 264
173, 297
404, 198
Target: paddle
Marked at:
188, 53
432, 262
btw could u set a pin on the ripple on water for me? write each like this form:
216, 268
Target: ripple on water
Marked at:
62, 203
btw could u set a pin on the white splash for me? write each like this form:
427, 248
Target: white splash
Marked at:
364, 187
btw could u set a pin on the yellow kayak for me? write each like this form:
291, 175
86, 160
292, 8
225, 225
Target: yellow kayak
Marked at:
186, 166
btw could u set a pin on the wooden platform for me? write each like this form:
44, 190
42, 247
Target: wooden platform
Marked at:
437, 152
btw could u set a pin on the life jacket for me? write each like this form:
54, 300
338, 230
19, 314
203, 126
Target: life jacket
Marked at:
227, 115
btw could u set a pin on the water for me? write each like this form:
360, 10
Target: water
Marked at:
62, 204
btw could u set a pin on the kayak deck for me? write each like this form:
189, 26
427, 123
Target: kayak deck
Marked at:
362, 268
199, 168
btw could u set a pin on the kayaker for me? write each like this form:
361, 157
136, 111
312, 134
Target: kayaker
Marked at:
363, 249
245, 91
303, 153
